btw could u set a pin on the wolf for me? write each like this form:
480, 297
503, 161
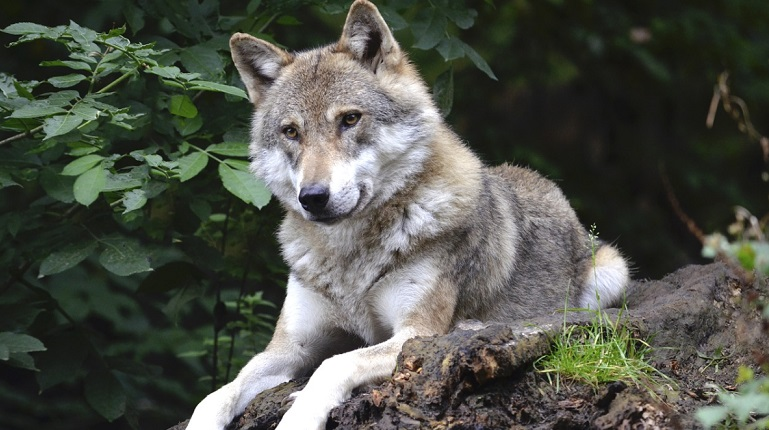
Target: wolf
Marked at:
393, 228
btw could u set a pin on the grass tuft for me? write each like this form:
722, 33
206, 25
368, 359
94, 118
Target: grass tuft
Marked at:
600, 352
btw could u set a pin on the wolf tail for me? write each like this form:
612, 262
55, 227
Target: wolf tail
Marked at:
606, 279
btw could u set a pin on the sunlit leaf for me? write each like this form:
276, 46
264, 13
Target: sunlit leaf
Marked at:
221, 88
66, 81
21, 28
133, 200
183, 106
36, 110
192, 164
88, 185
230, 149
245, 186
80, 165
61, 124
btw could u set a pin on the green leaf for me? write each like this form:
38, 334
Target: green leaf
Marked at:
229, 149
22, 360
168, 72
16, 342
74, 65
58, 187
153, 160
80, 165
30, 31
123, 256
134, 17
37, 109
7, 181
464, 18
61, 124
136, 177
88, 185
192, 164
479, 62
133, 200
429, 28
66, 81
183, 106
105, 394
62, 98
187, 126
746, 255
443, 91
451, 49
67, 257
88, 113
244, 185
21, 28
242, 165
84, 36
221, 88
394, 20
203, 60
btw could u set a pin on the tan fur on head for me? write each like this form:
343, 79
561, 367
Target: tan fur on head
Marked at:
258, 62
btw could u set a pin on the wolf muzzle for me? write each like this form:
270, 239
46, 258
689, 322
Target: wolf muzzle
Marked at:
314, 198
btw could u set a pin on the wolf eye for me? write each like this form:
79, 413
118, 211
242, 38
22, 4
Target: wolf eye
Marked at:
350, 119
290, 132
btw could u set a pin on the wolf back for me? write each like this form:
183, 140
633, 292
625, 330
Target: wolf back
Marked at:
393, 227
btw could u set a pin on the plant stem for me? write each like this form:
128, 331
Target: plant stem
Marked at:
115, 82
21, 135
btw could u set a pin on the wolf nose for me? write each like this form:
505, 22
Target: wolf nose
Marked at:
314, 198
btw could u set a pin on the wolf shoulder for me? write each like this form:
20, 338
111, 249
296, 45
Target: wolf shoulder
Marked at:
534, 191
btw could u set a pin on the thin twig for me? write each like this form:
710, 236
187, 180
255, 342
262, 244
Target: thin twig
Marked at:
676, 205
16, 137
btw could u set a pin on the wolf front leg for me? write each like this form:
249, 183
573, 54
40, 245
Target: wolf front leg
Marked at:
264, 371
333, 382
303, 338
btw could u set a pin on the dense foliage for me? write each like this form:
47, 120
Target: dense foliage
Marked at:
139, 267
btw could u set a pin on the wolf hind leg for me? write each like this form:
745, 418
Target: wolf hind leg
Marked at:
606, 278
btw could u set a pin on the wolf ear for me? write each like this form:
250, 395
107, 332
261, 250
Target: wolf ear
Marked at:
368, 38
258, 62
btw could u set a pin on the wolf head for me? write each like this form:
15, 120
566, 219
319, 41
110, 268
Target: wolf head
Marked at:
336, 130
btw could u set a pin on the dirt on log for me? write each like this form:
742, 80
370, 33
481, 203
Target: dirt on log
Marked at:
698, 320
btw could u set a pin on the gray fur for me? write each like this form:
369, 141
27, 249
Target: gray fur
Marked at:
406, 232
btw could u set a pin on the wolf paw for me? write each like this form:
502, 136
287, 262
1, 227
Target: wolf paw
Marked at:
214, 412
305, 413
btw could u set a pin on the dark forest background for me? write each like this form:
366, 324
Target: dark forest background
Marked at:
608, 98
